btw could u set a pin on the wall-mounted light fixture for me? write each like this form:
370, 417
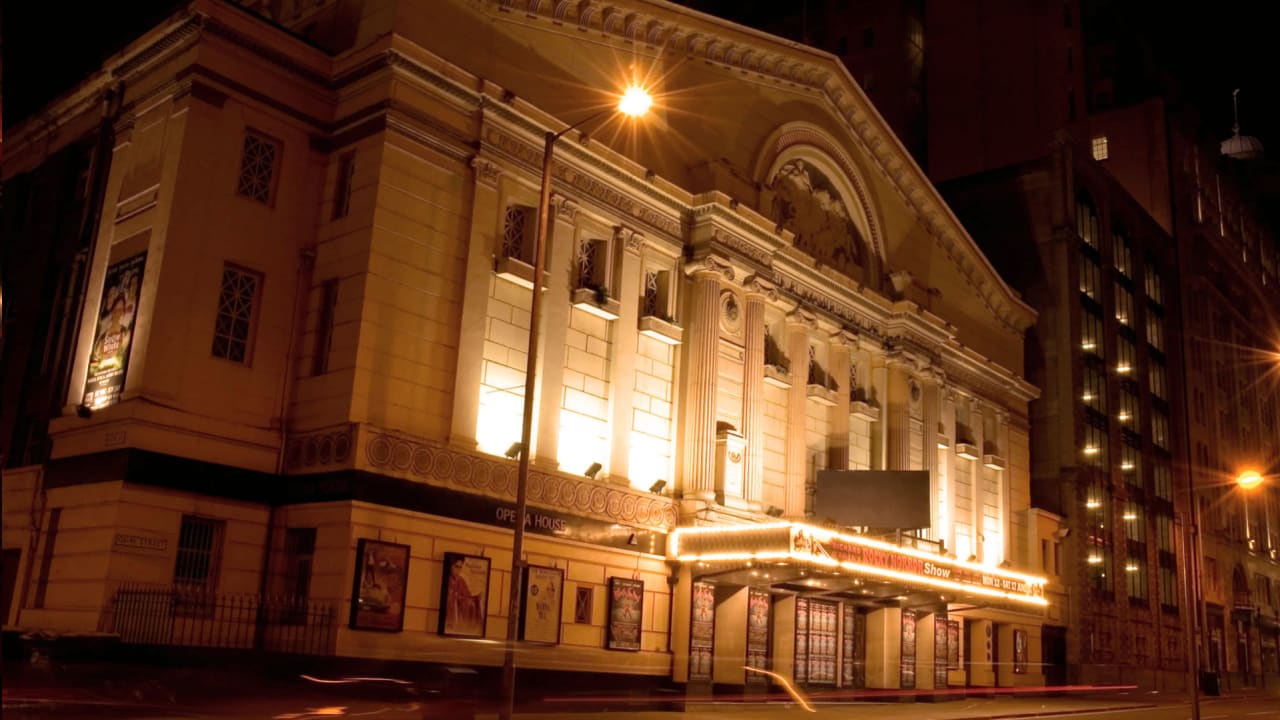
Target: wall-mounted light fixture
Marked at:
84, 411
633, 540
591, 471
773, 511
657, 486
514, 450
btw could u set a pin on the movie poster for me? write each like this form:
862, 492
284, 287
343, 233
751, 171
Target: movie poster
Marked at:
1020, 651
953, 644
758, 603
543, 589
377, 598
626, 608
940, 631
113, 337
702, 631
907, 675
464, 594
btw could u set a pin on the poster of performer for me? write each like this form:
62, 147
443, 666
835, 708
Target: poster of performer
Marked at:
757, 635
542, 596
1020, 651
113, 336
377, 598
702, 631
907, 671
464, 595
626, 607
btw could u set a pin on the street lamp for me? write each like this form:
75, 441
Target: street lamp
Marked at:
633, 103
1247, 480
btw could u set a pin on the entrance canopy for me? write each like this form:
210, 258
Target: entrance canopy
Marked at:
803, 556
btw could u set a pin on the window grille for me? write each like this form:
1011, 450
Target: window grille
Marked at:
233, 328
515, 233
257, 167
342, 187
651, 304
199, 550
1100, 147
591, 263
582, 606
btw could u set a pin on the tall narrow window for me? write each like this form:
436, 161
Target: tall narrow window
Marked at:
342, 185
657, 294
258, 167
299, 554
1098, 556
1122, 256
1086, 222
1155, 289
1155, 330
1125, 357
324, 327
1091, 338
199, 553
518, 233
1090, 276
593, 265
1124, 304
1156, 380
1094, 394
237, 313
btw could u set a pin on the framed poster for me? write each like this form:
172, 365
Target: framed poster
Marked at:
953, 644
940, 630
464, 595
702, 631
377, 594
801, 671
626, 607
1020, 651
540, 609
758, 605
113, 336
907, 674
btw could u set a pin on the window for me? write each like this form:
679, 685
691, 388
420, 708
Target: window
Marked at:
342, 186
1086, 222
657, 294
1098, 546
1168, 588
258, 167
593, 265
1156, 380
1090, 276
518, 233
1122, 256
1155, 330
324, 327
582, 606
1124, 359
1127, 415
1155, 289
1135, 525
1162, 477
1099, 147
1094, 394
237, 306
1131, 464
1160, 429
1164, 532
1095, 445
299, 554
199, 553
1091, 334
1124, 304
1135, 570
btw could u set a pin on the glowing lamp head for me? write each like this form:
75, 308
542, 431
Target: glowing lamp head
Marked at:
635, 102
1249, 479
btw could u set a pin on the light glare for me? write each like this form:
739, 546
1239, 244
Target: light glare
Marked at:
635, 102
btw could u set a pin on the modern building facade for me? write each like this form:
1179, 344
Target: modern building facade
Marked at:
300, 365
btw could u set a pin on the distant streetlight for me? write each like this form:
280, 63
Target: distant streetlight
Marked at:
1249, 479
635, 102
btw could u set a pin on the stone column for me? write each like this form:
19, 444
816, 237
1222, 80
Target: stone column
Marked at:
555, 321
704, 352
758, 293
898, 414
799, 326
976, 429
843, 344
629, 246
485, 215
929, 412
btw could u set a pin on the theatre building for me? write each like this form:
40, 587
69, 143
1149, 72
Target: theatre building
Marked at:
296, 389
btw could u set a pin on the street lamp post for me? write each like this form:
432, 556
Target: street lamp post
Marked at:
1247, 480
635, 102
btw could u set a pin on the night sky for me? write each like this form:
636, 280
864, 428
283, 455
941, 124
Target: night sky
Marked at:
1208, 50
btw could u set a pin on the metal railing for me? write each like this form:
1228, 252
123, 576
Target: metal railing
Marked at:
179, 616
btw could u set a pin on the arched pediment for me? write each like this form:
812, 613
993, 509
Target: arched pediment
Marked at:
812, 188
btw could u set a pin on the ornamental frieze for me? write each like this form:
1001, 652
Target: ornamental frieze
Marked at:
446, 466
332, 446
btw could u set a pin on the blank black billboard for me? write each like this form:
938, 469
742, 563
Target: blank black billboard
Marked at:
893, 499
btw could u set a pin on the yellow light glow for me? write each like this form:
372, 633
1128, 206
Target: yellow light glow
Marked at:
1088, 345
1091, 450
1126, 466
635, 101
1123, 369
1094, 560
1123, 417
1249, 479
1131, 516
1087, 397
498, 419
1093, 504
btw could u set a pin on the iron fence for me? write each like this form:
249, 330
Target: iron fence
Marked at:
174, 615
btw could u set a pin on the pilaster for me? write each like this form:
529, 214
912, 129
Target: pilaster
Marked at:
703, 373
843, 344
898, 414
799, 327
622, 371
758, 293
555, 321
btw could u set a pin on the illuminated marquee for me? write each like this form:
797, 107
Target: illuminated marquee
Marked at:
855, 553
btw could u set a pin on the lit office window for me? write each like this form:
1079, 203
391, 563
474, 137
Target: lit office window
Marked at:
1100, 149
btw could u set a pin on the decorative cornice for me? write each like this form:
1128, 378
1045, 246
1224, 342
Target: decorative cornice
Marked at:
801, 318
631, 241
845, 339
736, 244
566, 209
187, 31
441, 465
